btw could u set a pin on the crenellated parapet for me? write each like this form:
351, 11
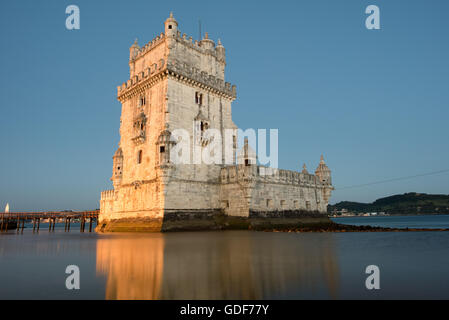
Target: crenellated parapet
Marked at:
256, 173
183, 72
146, 70
204, 46
107, 195
140, 51
133, 86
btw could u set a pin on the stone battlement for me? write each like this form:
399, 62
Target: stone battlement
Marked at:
180, 37
197, 45
187, 72
153, 70
107, 194
241, 172
149, 46
183, 72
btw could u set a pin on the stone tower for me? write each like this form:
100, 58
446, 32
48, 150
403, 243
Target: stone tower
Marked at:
176, 95
175, 83
323, 175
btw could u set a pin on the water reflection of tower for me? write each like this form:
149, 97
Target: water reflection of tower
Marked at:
209, 265
133, 266
250, 265
219, 265
302, 266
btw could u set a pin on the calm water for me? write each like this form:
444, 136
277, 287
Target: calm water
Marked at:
229, 265
428, 222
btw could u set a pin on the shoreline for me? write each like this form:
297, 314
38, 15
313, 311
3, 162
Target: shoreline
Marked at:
393, 215
336, 227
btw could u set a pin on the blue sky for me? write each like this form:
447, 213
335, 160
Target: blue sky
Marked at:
374, 102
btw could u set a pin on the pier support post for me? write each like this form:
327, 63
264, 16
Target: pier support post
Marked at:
23, 224
54, 222
90, 224
68, 226
38, 223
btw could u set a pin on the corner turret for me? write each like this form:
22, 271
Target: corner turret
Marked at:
247, 155
117, 168
206, 43
304, 169
323, 172
221, 52
134, 50
171, 26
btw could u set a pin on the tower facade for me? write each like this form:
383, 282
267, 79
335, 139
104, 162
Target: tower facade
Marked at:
174, 83
178, 84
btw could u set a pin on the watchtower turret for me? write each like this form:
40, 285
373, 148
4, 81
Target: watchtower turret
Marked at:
304, 169
221, 53
117, 168
134, 50
247, 155
323, 172
171, 26
206, 43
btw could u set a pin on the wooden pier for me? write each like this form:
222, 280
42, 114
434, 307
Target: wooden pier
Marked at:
17, 220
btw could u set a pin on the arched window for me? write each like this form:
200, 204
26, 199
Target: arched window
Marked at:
142, 101
198, 98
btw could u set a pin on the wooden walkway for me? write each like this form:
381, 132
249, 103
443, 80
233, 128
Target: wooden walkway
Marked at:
18, 219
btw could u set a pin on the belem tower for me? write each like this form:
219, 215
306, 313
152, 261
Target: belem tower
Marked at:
176, 82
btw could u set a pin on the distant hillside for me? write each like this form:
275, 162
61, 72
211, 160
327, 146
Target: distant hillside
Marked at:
407, 203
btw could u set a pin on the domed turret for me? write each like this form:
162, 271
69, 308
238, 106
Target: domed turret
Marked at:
118, 168
304, 169
134, 50
171, 26
323, 172
247, 155
207, 43
221, 53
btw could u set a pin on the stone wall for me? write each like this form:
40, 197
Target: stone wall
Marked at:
260, 189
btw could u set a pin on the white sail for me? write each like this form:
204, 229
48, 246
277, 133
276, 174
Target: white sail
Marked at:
7, 208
